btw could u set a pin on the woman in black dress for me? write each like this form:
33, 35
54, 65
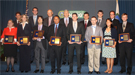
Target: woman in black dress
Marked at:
24, 30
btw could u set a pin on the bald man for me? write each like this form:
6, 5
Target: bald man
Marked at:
47, 22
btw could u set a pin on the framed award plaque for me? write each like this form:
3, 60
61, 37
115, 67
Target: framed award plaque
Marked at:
38, 34
109, 42
54, 40
24, 40
96, 39
75, 37
124, 37
8, 39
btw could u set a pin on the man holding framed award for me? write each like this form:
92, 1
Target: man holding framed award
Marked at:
39, 37
56, 36
75, 36
126, 47
93, 36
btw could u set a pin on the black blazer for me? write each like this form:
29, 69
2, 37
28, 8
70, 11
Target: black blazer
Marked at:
46, 21
61, 32
15, 23
115, 22
129, 29
89, 24
45, 29
62, 21
80, 30
113, 33
25, 32
31, 21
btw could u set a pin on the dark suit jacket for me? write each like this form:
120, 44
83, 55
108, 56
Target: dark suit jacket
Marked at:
113, 33
129, 29
80, 30
89, 23
61, 32
31, 21
15, 23
25, 32
115, 22
46, 21
45, 29
103, 23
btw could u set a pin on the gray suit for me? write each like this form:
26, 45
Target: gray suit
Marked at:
93, 50
102, 24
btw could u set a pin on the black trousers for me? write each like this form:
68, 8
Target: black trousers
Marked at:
71, 48
64, 49
55, 52
84, 45
126, 52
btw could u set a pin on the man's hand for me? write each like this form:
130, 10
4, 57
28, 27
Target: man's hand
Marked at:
28, 44
70, 42
50, 43
18, 43
35, 38
130, 40
79, 42
119, 41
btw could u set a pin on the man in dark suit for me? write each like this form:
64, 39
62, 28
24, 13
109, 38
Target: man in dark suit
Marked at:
115, 23
16, 23
47, 22
39, 45
65, 21
75, 28
86, 22
101, 22
33, 22
18, 17
58, 30
126, 48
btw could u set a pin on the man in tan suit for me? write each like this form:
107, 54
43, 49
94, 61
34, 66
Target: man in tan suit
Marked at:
93, 49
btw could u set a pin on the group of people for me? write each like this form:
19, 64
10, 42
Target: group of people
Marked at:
109, 28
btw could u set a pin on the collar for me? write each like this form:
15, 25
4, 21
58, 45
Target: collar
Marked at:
93, 26
25, 23
57, 25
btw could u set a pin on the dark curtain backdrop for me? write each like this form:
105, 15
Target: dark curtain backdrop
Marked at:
9, 8
128, 6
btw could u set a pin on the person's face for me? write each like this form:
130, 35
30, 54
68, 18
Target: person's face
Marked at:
93, 21
56, 20
108, 23
74, 17
86, 16
100, 14
24, 18
49, 13
18, 16
124, 18
40, 20
66, 14
112, 15
34, 11
10, 23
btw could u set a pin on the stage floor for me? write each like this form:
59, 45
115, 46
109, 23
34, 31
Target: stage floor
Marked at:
64, 69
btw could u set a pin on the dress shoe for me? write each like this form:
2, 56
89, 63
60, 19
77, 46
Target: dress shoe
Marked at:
58, 72
26, 71
90, 72
31, 61
7, 69
128, 73
22, 71
15, 62
121, 71
103, 62
42, 71
70, 71
12, 69
97, 72
78, 72
63, 63
52, 72
36, 71
82, 63
46, 62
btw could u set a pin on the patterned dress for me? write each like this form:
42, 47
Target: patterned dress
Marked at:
108, 52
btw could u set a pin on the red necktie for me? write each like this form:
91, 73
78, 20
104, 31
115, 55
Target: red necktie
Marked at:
85, 24
56, 30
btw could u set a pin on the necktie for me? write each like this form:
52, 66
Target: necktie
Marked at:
99, 22
75, 27
49, 21
34, 20
66, 23
85, 24
56, 30
124, 27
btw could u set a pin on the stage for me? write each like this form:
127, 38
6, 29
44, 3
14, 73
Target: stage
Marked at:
64, 69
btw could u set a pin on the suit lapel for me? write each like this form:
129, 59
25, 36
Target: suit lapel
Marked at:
126, 27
